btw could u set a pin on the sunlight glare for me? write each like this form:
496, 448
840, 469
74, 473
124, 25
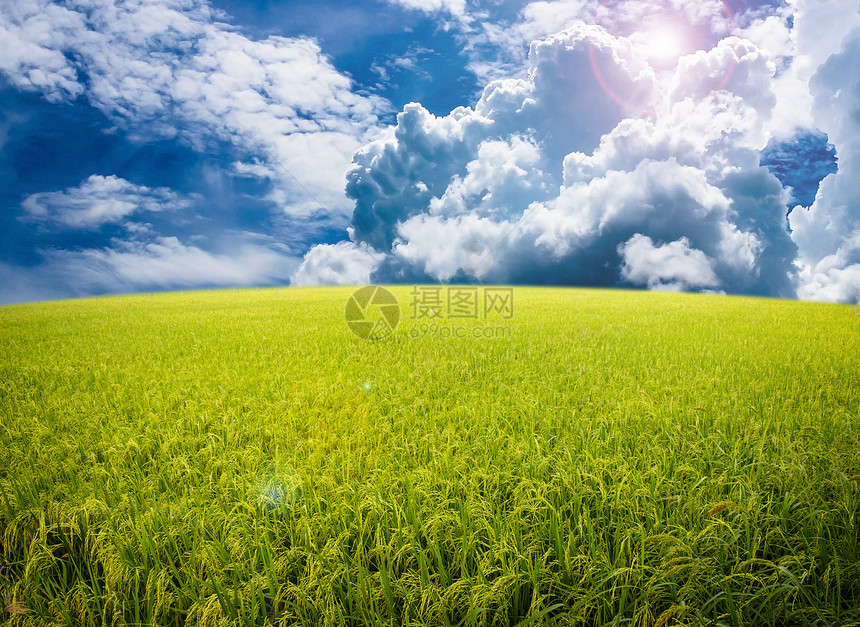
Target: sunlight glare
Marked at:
660, 46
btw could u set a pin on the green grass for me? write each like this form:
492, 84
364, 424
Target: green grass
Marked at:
610, 458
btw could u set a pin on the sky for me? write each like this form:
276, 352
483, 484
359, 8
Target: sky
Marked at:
693, 145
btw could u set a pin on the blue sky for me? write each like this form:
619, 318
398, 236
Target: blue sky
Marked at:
179, 144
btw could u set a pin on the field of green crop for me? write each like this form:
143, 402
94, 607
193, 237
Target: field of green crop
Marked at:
582, 458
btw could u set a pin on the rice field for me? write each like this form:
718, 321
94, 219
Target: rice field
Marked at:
562, 457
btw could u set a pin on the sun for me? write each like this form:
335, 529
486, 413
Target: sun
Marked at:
660, 46
660, 33
664, 44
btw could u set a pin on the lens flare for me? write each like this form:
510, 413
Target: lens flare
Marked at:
660, 32
663, 45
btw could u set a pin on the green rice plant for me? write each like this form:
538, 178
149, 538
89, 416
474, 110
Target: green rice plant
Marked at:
594, 458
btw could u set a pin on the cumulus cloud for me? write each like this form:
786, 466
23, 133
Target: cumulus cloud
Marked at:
542, 18
101, 200
583, 161
171, 68
673, 266
592, 169
828, 233
344, 263
503, 177
498, 49
734, 65
835, 277
435, 246
799, 37
396, 176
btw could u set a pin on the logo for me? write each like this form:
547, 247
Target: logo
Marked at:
372, 313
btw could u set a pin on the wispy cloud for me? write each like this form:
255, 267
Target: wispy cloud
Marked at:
147, 261
101, 200
172, 68
456, 8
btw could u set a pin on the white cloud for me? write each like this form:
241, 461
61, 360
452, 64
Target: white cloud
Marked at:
771, 31
32, 38
558, 108
557, 176
147, 262
344, 263
673, 266
735, 65
437, 246
503, 178
499, 49
799, 37
167, 262
820, 27
644, 17
543, 18
454, 7
828, 233
835, 277
101, 200
171, 68
584, 164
